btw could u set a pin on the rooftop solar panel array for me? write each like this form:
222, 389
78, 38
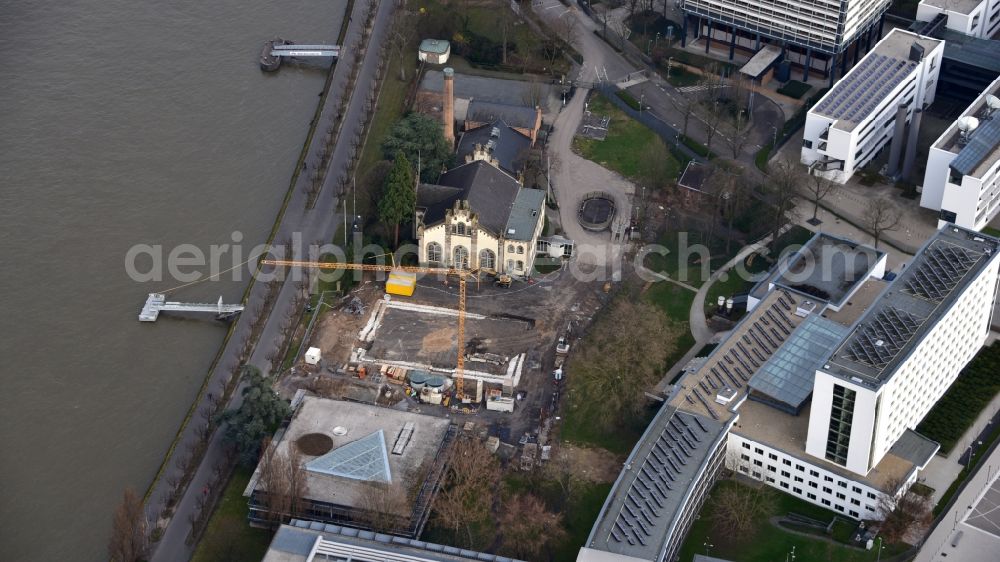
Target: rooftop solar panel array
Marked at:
860, 92
984, 141
880, 338
660, 475
764, 335
942, 268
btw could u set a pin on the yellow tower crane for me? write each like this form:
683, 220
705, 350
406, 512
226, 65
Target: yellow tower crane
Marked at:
462, 275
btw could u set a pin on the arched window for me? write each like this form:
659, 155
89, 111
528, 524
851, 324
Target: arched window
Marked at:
520, 249
510, 265
520, 265
510, 248
434, 252
460, 229
487, 259
461, 257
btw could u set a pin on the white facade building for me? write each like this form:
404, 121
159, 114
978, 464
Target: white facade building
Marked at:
773, 402
962, 179
976, 18
905, 352
856, 119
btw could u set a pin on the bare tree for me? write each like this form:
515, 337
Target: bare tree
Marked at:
401, 35
782, 190
901, 513
469, 490
282, 479
128, 540
504, 20
528, 528
567, 29
738, 133
383, 504
817, 189
685, 104
738, 507
880, 217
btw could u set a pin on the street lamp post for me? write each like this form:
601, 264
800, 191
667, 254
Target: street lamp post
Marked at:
774, 140
878, 555
641, 98
670, 60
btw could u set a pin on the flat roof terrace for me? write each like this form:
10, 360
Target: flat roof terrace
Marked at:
826, 268
856, 96
964, 7
911, 306
787, 433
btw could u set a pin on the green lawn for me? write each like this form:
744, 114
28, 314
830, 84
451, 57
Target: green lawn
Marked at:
579, 518
974, 388
228, 536
990, 231
768, 543
631, 149
680, 77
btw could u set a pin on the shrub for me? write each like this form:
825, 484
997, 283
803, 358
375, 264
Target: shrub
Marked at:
629, 100
794, 89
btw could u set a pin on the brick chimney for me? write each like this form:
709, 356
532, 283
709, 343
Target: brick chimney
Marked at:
448, 111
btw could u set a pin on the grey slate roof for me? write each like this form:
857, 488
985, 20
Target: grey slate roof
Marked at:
912, 305
488, 112
789, 374
525, 214
508, 146
490, 192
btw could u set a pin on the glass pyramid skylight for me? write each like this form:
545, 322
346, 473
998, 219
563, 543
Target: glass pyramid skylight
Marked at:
365, 459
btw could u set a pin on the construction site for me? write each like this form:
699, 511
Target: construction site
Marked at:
401, 351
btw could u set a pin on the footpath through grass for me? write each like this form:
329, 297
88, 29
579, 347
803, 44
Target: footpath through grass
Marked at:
631, 149
229, 536
769, 543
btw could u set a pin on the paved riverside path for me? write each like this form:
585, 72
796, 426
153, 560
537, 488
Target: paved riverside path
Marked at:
320, 223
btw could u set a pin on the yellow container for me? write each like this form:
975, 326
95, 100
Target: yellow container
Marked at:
401, 283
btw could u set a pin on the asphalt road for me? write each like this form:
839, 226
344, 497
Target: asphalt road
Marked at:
317, 224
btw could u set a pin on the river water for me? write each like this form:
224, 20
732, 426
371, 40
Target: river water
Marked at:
123, 123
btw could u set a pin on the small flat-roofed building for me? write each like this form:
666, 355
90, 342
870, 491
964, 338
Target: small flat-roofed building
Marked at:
856, 119
962, 178
827, 269
976, 18
760, 67
309, 541
349, 451
434, 51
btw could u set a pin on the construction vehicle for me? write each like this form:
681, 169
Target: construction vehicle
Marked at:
400, 272
503, 280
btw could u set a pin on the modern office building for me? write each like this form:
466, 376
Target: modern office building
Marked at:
962, 179
815, 392
975, 18
905, 351
870, 106
817, 35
